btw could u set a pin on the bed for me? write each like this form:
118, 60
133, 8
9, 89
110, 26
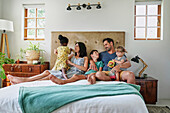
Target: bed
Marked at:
103, 104
127, 103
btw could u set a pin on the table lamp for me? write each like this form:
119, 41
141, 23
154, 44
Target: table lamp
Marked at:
136, 59
5, 26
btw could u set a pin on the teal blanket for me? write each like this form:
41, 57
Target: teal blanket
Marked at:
49, 98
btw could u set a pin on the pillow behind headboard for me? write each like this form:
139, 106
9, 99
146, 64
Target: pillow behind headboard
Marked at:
92, 40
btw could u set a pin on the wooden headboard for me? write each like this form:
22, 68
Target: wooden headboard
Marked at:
92, 40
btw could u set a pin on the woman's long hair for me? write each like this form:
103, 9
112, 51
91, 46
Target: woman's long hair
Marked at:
82, 50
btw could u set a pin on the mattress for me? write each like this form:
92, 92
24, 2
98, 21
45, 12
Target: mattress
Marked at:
106, 104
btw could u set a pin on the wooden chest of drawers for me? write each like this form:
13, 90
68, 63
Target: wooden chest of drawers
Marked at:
148, 89
23, 70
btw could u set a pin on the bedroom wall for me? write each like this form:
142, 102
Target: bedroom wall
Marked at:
115, 15
0, 8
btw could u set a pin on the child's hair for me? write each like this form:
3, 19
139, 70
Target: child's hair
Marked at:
92, 53
121, 49
63, 39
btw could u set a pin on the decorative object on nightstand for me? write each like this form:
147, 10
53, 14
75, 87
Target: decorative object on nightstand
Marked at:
23, 70
32, 52
5, 25
136, 59
148, 89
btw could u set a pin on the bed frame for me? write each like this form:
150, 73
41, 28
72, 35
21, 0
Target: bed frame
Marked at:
92, 40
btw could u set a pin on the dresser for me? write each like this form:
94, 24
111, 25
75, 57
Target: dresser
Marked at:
23, 70
148, 89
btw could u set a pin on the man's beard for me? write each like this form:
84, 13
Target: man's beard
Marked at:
108, 49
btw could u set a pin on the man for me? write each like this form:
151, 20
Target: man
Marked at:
108, 55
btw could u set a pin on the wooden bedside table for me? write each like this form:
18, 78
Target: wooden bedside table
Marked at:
23, 70
148, 89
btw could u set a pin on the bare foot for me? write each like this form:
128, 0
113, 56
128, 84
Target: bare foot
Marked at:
15, 80
56, 80
91, 79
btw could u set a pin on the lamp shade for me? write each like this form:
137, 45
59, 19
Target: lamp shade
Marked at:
6, 25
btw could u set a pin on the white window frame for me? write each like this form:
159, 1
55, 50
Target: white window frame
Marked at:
24, 28
159, 27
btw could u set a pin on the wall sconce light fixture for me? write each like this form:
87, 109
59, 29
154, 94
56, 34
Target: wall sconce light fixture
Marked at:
78, 7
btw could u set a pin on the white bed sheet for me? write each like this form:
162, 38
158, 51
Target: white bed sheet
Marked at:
106, 104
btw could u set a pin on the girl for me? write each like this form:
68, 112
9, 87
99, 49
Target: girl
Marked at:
62, 56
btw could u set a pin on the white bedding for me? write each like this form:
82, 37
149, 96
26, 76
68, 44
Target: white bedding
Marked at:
109, 104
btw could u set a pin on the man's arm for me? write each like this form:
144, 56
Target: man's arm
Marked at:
125, 64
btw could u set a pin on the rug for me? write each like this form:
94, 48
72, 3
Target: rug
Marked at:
158, 109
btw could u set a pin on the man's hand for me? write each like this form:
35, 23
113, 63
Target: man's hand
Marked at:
93, 65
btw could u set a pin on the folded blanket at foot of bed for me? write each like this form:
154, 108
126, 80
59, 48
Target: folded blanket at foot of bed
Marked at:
49, 98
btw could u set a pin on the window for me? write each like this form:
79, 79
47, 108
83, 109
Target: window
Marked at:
34, 22
147, 24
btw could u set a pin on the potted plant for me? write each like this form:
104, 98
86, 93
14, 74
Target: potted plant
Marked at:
31, 53
4, 60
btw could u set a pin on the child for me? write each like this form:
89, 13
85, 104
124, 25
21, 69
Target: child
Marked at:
62, 55
94, 55
120, 59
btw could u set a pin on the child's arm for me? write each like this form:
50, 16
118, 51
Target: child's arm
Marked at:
71, 50
119, 62
100, 68
55, 51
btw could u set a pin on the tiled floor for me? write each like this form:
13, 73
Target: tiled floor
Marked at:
162, 102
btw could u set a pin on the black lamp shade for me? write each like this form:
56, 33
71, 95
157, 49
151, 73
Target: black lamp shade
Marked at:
88, 7
78, 8
98, 6
69, 8
135, 59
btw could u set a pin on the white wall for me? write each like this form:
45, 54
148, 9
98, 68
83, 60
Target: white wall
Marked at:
115, 15
0, 18
0, 8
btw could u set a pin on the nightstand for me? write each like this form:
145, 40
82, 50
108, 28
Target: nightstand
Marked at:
148, 89
23, 70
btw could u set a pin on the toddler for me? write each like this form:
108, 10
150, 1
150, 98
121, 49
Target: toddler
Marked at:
120, 59
62, 55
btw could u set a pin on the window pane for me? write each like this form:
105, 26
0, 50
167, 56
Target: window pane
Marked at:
40, 33
152, 33
152, 21
31, 23
41, 13
40, 23
140, 21
140, 9
31, 33
152, 9
31, 12
140, 32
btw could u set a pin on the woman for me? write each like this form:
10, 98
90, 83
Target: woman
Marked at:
78, 65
